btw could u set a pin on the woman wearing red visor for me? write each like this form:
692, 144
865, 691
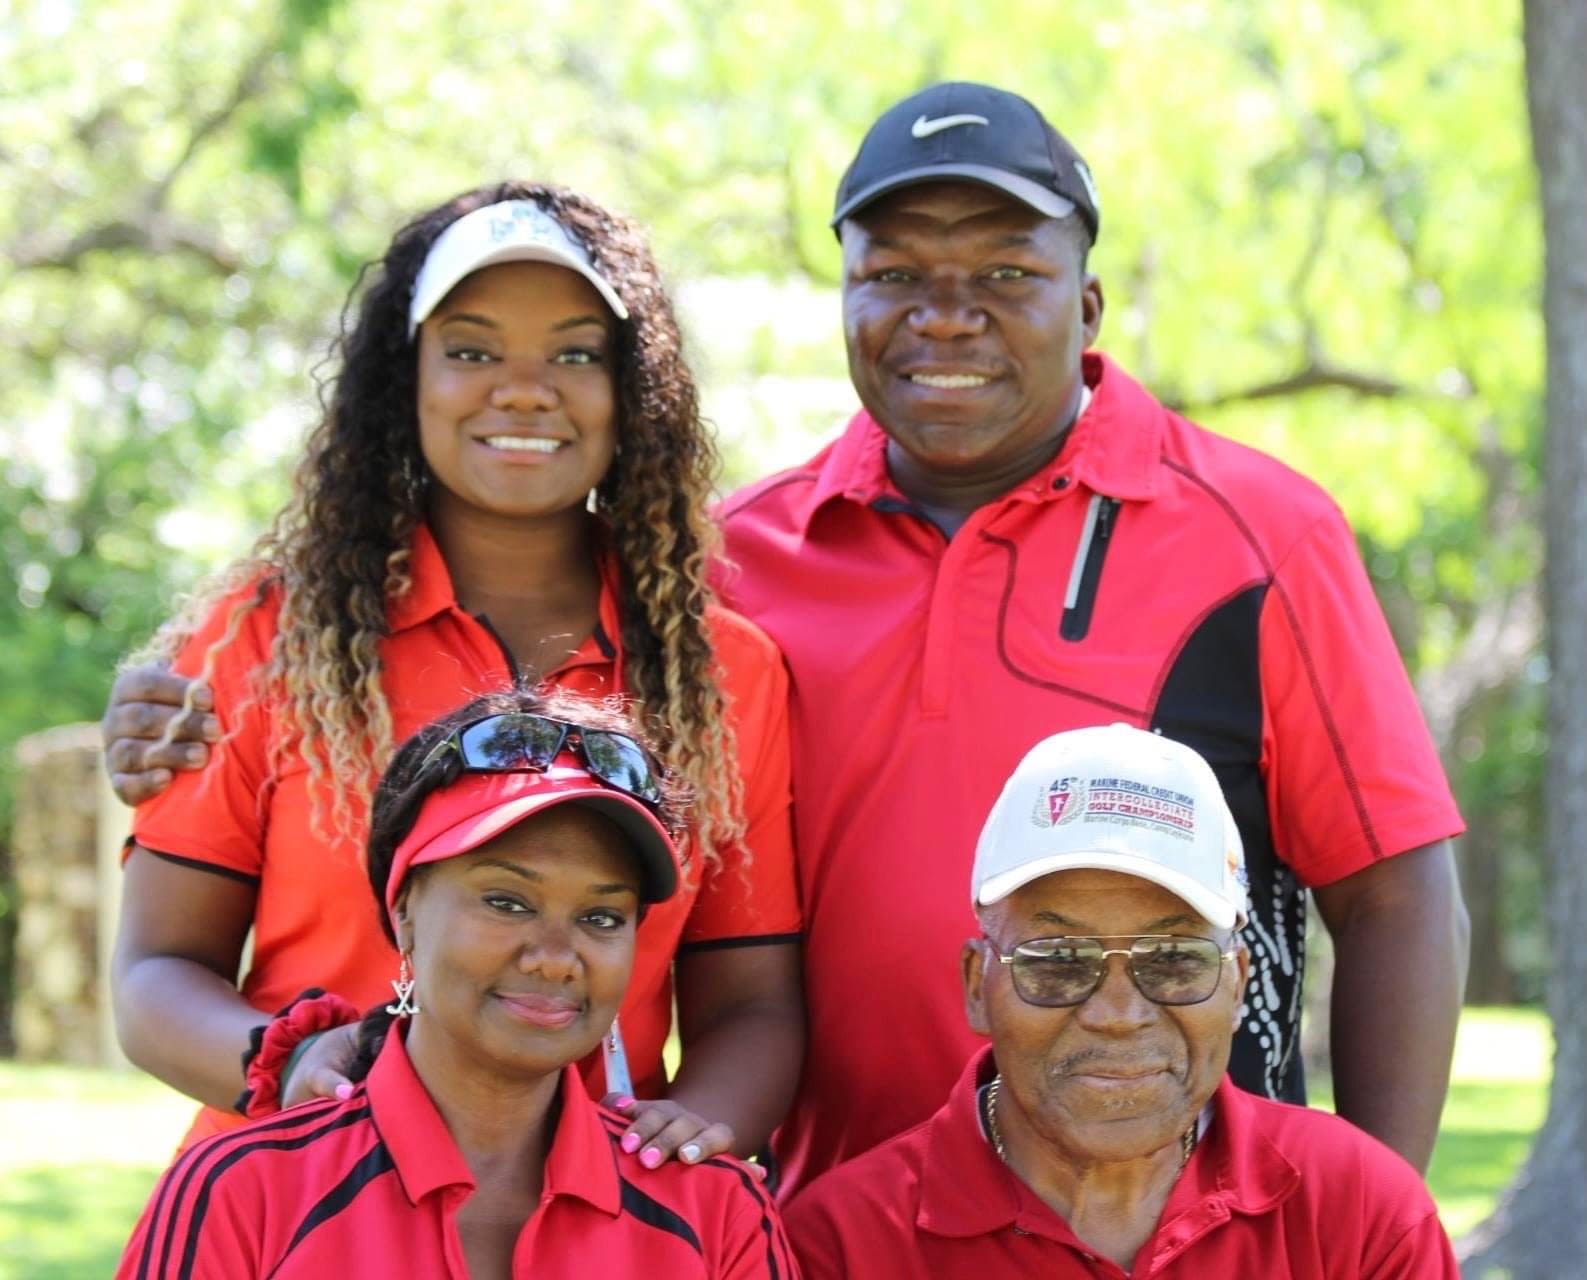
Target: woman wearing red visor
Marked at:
514, 845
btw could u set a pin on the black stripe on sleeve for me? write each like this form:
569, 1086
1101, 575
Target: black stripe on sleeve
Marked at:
375, 1162
770, 1225
186, 1165
655, 1214
201, 1203
197, 865
755, 940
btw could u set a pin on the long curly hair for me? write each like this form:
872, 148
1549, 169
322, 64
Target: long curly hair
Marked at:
338, 554
413, 776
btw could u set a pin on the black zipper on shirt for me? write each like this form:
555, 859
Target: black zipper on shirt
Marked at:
1089, 555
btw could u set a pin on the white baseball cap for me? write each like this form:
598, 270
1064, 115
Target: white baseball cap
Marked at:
1115, 798
511, 231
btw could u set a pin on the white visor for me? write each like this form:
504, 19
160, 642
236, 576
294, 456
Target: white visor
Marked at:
512, 231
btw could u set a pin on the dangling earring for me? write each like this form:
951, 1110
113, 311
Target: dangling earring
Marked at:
402, 984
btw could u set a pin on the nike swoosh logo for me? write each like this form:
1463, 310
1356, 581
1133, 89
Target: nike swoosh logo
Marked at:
923, 128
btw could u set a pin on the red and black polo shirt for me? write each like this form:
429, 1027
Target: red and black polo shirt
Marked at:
371, 1186
1153, 573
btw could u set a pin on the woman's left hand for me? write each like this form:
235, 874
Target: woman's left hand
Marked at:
662, 1128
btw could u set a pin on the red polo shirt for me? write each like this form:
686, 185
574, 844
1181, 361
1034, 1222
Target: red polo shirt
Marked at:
1272, 1190
316, 924
1153, 573
372, 1187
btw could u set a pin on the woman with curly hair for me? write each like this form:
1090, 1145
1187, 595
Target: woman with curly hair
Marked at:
508, 488
514, 845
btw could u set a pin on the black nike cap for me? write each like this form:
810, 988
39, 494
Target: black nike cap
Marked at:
974, 132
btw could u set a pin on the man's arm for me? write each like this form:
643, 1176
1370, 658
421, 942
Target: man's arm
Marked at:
143, 702
1401, 945
741, 1021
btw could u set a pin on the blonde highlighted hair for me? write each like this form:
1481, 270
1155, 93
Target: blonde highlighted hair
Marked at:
338, 554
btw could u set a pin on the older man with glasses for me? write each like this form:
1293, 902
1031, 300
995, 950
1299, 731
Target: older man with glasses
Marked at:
1099, 1135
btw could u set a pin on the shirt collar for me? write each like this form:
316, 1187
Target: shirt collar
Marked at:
1241, 1165
583, 1159
430, 593
966, 1190
581, 1162
1114, 448
430, 584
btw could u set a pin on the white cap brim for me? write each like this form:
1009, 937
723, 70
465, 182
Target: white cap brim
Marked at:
1214, 908
511, 231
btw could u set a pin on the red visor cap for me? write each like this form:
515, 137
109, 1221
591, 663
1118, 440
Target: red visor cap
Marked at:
478, 807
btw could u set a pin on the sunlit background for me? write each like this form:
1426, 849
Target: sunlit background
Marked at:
1319, 235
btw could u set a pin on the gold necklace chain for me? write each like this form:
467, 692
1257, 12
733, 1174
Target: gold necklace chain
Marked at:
1187, 1142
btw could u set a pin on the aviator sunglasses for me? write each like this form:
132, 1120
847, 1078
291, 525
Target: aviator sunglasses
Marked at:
521, 742
1056, 973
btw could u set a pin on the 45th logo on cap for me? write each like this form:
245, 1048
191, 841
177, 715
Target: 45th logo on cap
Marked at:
1062, 802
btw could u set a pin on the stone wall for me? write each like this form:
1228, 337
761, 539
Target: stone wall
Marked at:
65, 842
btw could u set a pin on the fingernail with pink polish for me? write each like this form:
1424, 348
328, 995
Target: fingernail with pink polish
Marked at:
344, 1092
651, 1158
623, 1103
630, 1143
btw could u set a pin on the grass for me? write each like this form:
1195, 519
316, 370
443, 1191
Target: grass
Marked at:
80, 1152
1497, 1095
1496, 1103
81, 1149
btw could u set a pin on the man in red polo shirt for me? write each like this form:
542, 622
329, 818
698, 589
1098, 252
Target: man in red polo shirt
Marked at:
1099, 1135
1013, 538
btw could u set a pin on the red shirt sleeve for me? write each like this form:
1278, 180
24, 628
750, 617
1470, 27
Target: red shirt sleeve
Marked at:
208, 1236
818, 1240
1352, 775
217, 814
754, 1245
753, 893
1421, 1253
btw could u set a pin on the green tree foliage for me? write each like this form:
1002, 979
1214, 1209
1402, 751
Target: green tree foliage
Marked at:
1319, 236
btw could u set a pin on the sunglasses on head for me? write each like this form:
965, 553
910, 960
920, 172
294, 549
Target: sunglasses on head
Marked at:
522, 742
1056, 973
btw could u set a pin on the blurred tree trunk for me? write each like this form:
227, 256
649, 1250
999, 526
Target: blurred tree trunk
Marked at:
1540, 1226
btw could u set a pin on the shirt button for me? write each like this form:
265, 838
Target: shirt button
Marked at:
1062, 482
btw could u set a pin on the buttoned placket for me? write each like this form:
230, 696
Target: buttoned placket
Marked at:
452, 1199
523, 1250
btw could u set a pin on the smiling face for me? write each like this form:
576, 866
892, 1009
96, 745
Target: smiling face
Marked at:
522, 949
1117, 1077
517, 402
965, 314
